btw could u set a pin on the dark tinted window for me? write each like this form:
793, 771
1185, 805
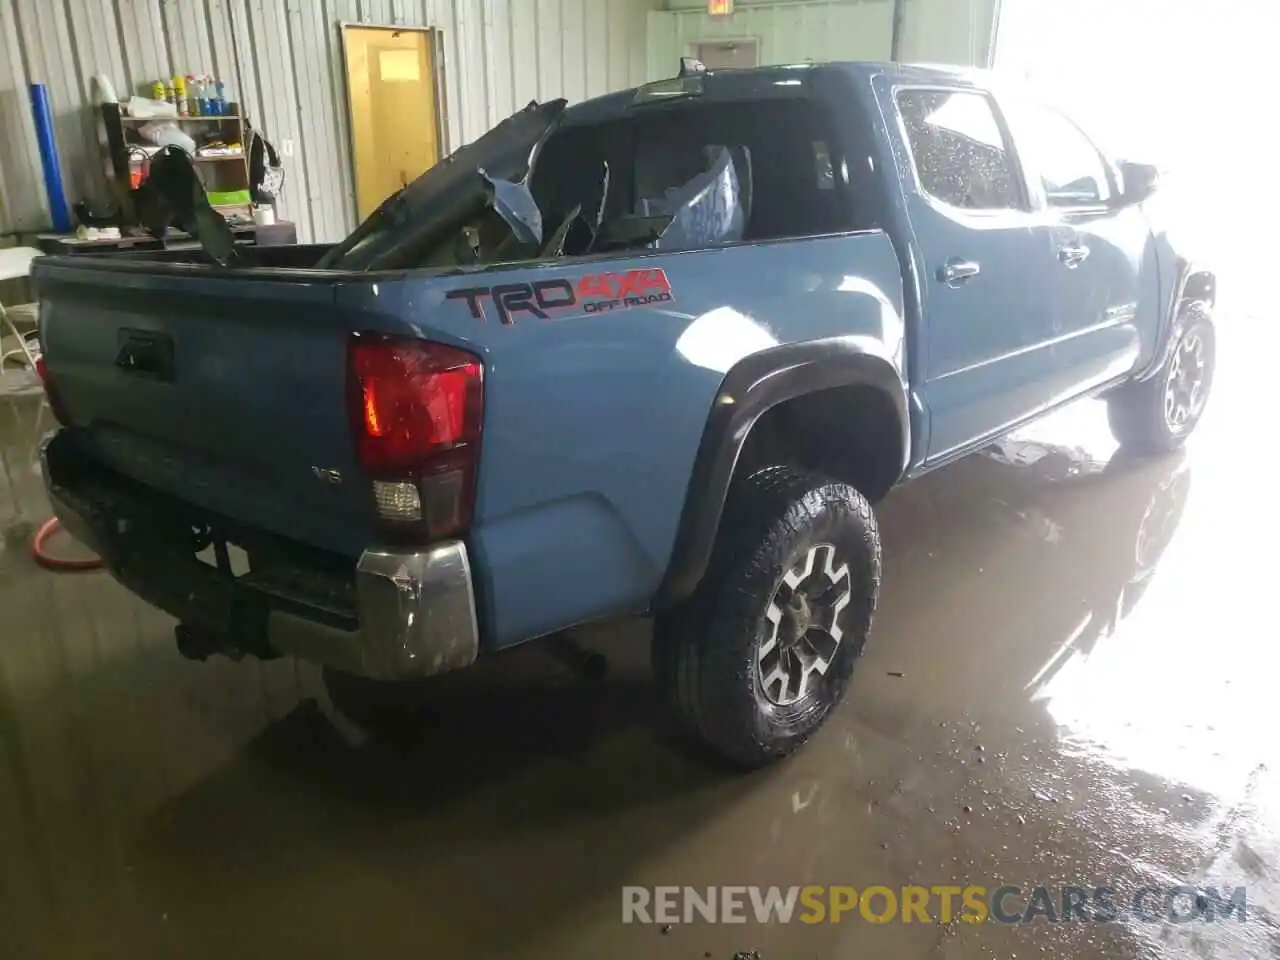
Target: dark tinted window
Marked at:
960, 153
783, 152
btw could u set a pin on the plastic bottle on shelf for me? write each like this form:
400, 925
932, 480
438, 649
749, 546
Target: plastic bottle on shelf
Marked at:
157, 90
206, 104
169, 94
193, 96
220, 97
180, 94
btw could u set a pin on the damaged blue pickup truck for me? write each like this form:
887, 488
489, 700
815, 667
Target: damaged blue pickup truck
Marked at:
656, 353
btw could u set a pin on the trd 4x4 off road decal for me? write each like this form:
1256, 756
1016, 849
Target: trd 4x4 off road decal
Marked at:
545, 299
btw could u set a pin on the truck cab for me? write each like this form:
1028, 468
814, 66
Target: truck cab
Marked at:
1037, 273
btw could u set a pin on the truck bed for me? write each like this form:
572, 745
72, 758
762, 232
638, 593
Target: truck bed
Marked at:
593, 411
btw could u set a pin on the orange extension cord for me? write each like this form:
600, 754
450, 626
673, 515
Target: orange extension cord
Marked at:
58, 564
52, 526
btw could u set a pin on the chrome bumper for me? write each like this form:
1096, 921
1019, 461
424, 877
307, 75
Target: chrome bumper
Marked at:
415, 610
417, 617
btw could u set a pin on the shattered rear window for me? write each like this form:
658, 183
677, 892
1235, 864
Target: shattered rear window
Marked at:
791, 175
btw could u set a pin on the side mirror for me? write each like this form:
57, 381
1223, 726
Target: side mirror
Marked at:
1139, 181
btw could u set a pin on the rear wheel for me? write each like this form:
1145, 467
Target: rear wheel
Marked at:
758, 657
1158, 414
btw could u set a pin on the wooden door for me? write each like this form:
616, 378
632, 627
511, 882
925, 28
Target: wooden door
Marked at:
391, 95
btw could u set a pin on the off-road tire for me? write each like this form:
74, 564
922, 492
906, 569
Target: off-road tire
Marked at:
706, 653
1137, 410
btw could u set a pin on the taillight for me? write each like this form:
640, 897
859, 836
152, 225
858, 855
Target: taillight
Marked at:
416, 409
51, 392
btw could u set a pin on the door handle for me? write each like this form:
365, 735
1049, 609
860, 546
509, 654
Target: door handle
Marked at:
1073, 255
956, 271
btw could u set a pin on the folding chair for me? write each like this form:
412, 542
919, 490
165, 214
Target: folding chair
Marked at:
22, 321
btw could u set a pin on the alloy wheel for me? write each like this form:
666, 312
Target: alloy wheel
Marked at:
803, 631
1184, 388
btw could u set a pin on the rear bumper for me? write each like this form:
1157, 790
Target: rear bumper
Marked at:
399, 615
416, 611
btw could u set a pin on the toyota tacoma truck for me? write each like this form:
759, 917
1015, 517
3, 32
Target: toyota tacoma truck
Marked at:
656, 353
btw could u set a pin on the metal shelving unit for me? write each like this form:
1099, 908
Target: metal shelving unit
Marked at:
221, 172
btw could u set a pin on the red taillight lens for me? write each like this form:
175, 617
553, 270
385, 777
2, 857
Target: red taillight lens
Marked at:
416, 411
51, 392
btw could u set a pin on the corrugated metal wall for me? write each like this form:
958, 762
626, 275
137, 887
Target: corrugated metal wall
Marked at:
793, 31
949, 31
283, 62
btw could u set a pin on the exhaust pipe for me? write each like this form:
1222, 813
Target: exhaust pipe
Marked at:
591, 666
196, 644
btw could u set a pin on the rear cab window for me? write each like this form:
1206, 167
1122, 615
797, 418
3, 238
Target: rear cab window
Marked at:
785, 155
959, 150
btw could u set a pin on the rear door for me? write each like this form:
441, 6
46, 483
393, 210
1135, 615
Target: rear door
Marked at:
1100, 244
987, 262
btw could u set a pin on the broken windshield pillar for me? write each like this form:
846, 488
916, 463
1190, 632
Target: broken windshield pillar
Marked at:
423, 225
515, 205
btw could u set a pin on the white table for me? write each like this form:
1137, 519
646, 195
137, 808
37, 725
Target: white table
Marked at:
15, 262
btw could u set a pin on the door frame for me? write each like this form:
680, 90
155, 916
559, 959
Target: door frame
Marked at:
1030, 215
435, 42
693, 44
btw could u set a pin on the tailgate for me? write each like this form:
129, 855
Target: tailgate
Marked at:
223, 388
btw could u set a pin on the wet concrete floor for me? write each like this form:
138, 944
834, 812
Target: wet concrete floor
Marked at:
1072, 681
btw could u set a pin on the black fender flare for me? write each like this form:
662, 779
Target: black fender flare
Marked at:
1175, 321
749, 389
